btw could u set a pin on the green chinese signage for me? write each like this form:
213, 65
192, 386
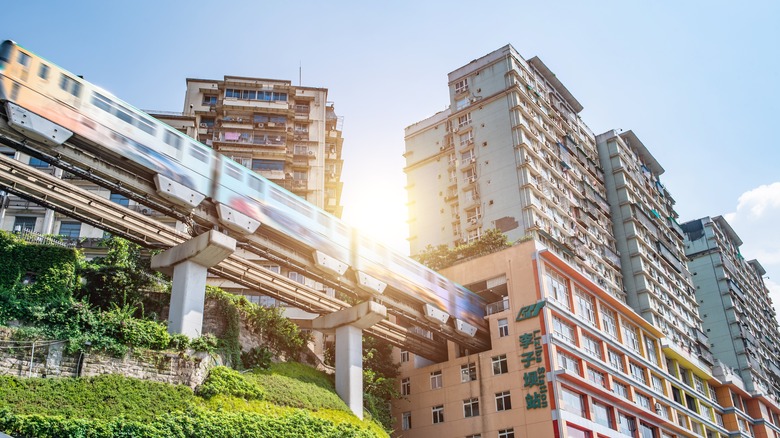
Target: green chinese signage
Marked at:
534, 379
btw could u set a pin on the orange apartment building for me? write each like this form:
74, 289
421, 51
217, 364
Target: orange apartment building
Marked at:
568, 359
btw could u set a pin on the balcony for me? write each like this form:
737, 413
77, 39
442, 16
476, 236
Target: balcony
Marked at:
498, 306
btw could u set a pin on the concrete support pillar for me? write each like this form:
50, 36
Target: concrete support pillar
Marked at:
348, 324
188, 265
188, 294
349, 367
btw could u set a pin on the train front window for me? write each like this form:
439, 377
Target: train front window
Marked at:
5, 51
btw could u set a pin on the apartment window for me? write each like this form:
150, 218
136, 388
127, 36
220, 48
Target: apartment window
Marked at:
436, 381
461, 103
468, 372
503, 327
38, 163
631, 337
609, 322
616, 360
209, 100
404, 356
466, 138
469, 176
585, 305
572, 402
119, 199
650, 350
471, 407
438, 414
563, 330
70, 230
620, 389
643, 400
638, 372
462, 86
626, 424
592, 346
464, 120
503, 401
597, 377
468, 157
500, 365
406, 386
602, 414
568, 363
506, 433
406, 421
658, 384
557, 288
647, 431
24, 223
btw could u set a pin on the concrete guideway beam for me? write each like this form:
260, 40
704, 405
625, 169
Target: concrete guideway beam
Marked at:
188, 265
348, 325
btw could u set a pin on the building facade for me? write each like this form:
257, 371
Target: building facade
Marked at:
511, 153
652, 253
738, 314
289, 134
567, 360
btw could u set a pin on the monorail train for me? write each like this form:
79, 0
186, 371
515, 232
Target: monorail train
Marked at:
31, 84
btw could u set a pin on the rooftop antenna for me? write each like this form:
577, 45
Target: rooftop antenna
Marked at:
300, 83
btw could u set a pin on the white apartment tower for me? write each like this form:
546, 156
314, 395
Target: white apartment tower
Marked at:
511, 153
736, 308
655, 275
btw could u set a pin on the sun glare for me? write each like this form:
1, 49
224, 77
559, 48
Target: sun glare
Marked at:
379, 213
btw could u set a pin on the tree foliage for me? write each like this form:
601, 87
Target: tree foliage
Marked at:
442, 256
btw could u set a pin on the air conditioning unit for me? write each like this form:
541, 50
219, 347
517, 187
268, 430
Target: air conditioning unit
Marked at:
261, 125
311, 153
203, 125
146, 212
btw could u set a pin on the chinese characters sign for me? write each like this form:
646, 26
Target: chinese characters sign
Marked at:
534, 374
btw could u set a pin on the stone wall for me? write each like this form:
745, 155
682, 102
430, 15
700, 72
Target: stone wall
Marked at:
48, 359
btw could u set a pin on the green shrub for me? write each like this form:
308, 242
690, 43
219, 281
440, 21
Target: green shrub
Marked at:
224, 381
206, 343
179, 342
99, 397
258, 357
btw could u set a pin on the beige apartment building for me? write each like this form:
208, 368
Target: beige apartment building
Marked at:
569, 360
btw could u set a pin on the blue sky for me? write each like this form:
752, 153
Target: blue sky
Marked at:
696, 81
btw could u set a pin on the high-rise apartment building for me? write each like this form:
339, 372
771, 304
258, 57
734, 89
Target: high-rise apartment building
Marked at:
598, 332
650, 241
289, 134
511, 153
737, 312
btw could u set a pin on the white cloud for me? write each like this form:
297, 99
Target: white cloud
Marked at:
757, 222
